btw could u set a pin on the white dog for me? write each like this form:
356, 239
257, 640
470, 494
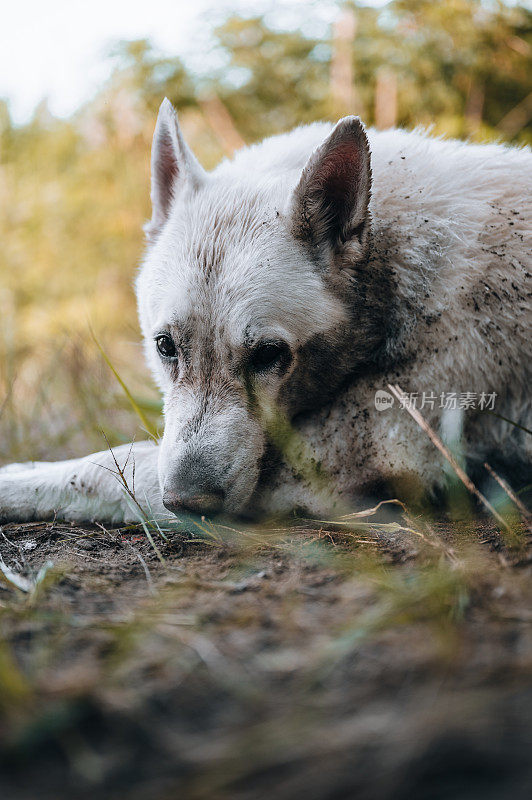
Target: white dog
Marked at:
280, 292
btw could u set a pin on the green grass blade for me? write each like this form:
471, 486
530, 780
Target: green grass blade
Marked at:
148, 427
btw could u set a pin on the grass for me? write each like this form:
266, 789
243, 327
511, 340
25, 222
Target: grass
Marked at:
62, 399
232, 654
223, 657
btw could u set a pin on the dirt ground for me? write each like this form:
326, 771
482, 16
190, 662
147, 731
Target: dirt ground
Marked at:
305, 665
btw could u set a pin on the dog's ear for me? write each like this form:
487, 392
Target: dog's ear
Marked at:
172, 165
330, 203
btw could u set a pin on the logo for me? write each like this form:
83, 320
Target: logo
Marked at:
383, 400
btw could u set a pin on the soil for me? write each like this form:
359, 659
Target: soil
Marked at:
314, 666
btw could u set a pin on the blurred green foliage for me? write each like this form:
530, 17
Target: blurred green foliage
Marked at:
74, 193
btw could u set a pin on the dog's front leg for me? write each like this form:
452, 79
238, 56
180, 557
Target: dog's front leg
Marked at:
114, 486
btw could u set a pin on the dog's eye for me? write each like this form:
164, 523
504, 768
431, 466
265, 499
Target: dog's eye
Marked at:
269, 355
166, 346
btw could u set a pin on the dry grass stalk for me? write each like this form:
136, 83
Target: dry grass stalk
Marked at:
435, 439
511, 494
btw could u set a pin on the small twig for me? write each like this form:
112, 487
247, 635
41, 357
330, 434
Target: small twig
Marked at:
369, 512
24, 565
149, 579
14, 578
511, 494
121, 478
437, 442
509, 421
120, 473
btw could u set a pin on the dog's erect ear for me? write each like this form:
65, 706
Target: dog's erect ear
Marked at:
172, 164
330, 202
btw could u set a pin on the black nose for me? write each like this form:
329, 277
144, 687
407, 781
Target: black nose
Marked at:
207, 503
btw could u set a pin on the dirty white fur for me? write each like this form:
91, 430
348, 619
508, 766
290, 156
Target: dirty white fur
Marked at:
83, 489
445, 251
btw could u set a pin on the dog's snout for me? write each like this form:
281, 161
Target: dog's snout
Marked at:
193, 486
202, 502
215, 470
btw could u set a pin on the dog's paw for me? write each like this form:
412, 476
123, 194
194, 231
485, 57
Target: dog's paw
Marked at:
22, 487
14, 503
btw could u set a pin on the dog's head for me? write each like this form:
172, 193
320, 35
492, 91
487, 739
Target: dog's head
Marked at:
251, 296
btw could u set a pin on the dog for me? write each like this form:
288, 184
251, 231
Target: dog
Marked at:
282, 294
